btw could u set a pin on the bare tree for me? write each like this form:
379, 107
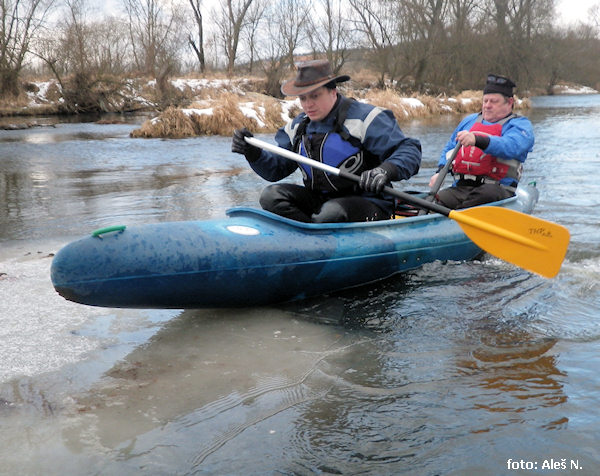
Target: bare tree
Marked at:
560, 64
377, 22
423, 36
197, 41
292, 18
594, 17
271, 52
152, 29
86, 42
256, 15
442, 44
331, 33
462, 47
20, 20
109, 46
516, 24
86, 58
230, 24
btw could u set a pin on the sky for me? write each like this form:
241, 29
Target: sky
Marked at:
569, 11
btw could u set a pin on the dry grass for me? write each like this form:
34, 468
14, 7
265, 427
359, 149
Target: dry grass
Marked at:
256, 112
26, 110
524, 103
218, 106
234, 103
226, 117
21, 105
402, 107
222, 113
172, 124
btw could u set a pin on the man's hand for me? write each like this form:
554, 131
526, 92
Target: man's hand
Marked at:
465, 138
374, 180
240, 146
433, 179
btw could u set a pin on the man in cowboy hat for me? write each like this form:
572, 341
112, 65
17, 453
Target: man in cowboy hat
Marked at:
494, 144
359, 138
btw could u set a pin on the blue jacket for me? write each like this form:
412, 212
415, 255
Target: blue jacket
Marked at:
515, 142
376, 128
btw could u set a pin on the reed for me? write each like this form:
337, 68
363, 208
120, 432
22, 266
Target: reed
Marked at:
256, 112
222, 113
226, 117
172, 123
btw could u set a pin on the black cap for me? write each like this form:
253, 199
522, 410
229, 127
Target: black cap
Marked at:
499, 84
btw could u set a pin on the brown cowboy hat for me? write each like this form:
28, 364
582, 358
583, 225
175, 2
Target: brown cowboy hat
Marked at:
311, 75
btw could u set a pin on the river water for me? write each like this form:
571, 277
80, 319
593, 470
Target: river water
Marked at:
455, 368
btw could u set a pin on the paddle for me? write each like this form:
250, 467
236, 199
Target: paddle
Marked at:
442, 174
531, 243
440, 178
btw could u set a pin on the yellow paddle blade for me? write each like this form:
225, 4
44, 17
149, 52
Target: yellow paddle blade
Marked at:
531, 243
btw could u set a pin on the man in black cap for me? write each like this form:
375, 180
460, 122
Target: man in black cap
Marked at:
494, 145
356, 137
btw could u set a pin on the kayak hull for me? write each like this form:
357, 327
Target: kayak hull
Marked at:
252, 258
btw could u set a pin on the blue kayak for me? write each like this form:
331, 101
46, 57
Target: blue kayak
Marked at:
252, 258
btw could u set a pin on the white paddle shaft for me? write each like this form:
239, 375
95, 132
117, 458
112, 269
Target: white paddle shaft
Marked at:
292, 155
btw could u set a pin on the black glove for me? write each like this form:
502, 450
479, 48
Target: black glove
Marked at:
374, 180
240, 146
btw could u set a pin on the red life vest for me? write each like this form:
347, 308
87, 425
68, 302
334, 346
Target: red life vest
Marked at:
473, 161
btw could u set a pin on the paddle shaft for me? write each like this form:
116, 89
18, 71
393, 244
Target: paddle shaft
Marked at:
421, 203
440, 178
442, 173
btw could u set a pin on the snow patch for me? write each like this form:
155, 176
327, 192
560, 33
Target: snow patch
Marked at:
566, 89
413, 102
249, 111
286, 106
209, 111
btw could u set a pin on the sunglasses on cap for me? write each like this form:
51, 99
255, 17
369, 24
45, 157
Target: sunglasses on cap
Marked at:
499, 80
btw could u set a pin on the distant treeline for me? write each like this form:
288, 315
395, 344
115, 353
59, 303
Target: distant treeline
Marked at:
425, 46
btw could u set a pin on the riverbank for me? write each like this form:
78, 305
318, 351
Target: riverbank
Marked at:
264, 114
218, 106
